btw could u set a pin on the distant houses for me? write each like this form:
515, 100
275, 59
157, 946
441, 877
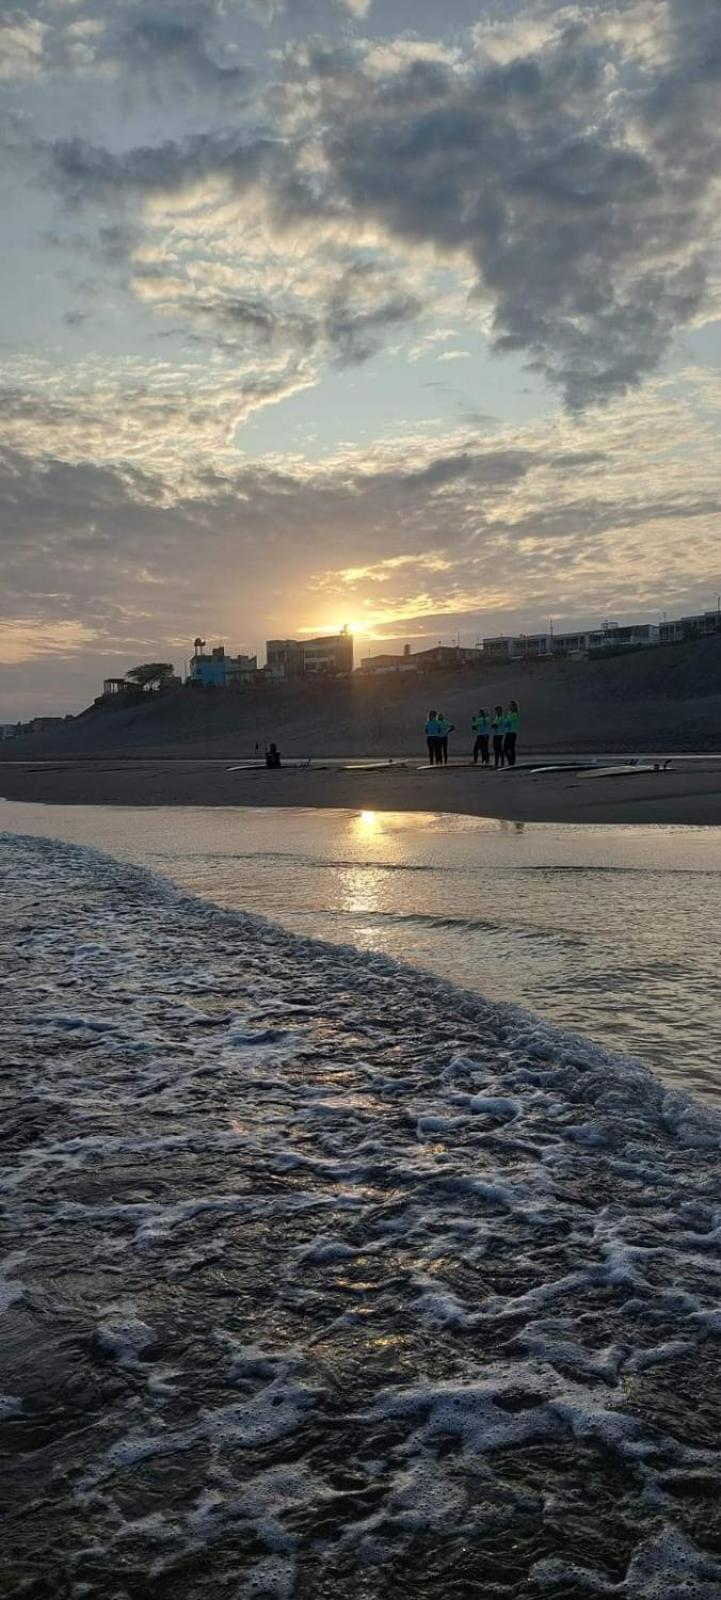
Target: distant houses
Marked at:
330, 656
17, 730
440, 655
612, 638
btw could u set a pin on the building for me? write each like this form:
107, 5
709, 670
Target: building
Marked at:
215, 670
535, 646
328, 656
284, 658
385, 663
693, 627
439, 656
515, 647
635, 636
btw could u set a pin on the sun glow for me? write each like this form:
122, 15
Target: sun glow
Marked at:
366, 824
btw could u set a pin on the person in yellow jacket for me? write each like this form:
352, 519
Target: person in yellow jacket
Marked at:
511, 733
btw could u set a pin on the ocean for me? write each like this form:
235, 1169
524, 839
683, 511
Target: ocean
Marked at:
321, 1275
611, 932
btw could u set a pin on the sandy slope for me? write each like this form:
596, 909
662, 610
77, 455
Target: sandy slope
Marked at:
658, 699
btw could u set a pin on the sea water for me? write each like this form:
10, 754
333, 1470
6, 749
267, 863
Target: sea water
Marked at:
323, 1278
612, 932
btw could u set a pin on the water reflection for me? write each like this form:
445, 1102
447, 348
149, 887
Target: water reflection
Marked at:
611, 932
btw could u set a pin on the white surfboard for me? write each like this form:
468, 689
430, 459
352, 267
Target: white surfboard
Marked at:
627, 771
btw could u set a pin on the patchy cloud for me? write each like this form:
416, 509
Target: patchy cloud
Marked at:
578, 180
240, 224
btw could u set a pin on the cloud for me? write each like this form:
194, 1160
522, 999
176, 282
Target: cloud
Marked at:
21, 47
552, 518
578, 181
23, 639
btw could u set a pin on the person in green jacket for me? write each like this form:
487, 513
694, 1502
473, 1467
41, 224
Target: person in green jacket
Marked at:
511, 733
481, 725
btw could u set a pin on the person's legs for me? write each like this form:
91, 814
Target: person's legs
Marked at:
509, 749
431, 750
444, 750
483, 741
498, 750
476, 749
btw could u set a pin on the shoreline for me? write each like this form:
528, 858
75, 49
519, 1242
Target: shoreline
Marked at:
686, 795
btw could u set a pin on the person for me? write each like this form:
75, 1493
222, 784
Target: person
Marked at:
511, 733
482, 729
444, 728
432, 736
272, 756
498, 729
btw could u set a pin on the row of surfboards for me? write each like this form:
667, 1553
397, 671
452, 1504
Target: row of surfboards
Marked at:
581, 769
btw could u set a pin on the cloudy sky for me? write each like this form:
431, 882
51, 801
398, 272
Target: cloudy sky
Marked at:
388, 312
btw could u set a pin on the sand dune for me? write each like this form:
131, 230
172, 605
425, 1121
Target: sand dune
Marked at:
663, 699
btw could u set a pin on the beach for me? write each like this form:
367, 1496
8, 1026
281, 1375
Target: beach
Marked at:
687, 794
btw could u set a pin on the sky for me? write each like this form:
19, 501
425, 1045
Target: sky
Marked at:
379, 312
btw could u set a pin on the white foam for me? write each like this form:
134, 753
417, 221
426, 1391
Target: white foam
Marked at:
325, 1225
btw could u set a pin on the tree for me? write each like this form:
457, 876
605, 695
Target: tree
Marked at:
151, 675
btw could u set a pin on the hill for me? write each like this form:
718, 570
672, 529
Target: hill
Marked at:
667, 698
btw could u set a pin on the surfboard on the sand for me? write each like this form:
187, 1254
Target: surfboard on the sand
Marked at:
556, 766
260, 765
365, 766
295, 764
625, 771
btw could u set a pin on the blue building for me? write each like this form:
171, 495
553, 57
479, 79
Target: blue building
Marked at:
216, 670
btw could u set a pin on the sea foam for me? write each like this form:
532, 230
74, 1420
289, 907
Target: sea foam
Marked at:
322, 1276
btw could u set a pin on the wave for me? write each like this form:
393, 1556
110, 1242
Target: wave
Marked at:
322, 1274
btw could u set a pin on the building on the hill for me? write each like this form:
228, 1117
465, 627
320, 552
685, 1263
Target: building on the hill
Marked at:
215, 670
693, 627
328, 656
438, 656
284, 658
535, 646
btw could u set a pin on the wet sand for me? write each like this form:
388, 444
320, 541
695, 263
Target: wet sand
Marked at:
688, 794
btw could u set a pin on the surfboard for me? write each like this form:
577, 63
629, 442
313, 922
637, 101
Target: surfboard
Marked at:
557, 766
621, 772
295, 764
260, 765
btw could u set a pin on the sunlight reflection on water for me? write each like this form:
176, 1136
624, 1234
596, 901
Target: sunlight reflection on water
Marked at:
610, 931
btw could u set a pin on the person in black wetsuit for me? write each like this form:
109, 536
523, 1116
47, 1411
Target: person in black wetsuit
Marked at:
498, 729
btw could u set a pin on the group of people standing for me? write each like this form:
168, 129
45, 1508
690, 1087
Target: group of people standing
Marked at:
500, 728
437, 731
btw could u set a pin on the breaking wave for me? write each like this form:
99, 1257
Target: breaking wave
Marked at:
321, 1277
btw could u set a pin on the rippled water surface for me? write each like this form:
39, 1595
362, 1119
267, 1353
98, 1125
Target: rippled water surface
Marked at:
610, 931
323, 1281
